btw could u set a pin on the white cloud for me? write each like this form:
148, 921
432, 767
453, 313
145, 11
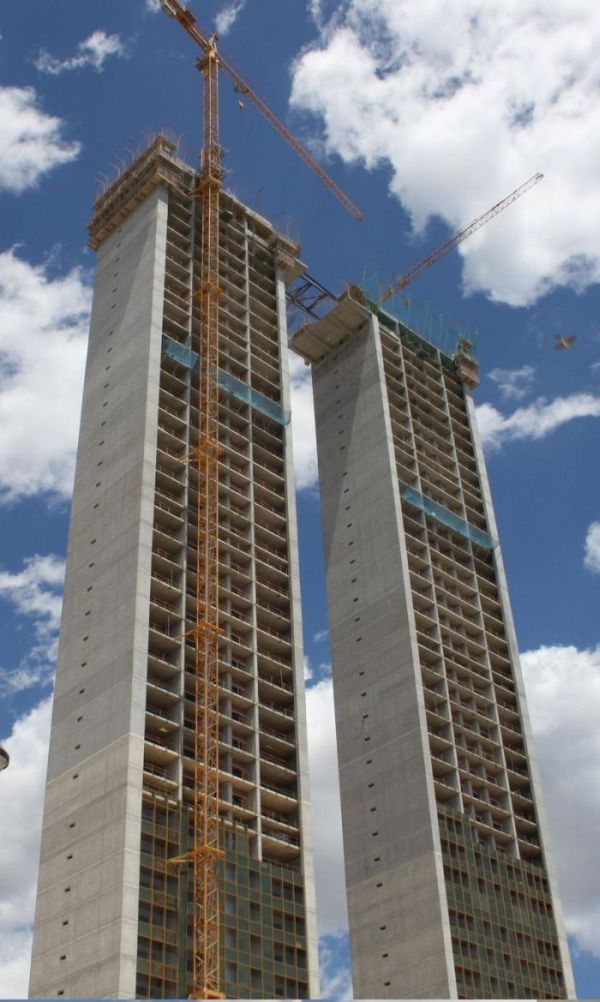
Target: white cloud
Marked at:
325, 810
153, 5
336, 978
563, 692
320, 672
464, 100
316, 12
32, 141
226, 17
22, 800
43, 327
592, 548
535, 421
308, 672
93, 51
34, 592
513, 384
303, 424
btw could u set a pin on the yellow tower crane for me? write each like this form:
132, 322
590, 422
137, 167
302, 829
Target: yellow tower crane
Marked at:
206, 852
406, 278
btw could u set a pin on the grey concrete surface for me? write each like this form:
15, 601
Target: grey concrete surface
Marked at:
91, 833
399, 939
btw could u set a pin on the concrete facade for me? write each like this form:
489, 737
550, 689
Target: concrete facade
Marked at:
450, 885
89, 872
113, 918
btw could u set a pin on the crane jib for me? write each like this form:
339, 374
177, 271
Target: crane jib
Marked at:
454, 241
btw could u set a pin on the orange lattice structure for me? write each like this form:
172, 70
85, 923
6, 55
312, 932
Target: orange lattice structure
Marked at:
206, 852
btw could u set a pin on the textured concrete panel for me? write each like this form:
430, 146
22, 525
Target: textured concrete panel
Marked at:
400, 946
90, 841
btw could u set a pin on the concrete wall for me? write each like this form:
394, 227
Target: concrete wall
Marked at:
399, 930
89, 874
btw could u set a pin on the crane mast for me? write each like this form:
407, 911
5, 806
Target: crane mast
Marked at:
206, 851
205, 854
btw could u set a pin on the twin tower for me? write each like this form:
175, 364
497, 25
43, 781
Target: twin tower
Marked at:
451, 891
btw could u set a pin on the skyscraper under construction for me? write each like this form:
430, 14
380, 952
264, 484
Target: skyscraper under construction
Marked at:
116, 900
451, 891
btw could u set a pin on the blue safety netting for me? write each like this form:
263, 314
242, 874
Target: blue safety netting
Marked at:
179, 353
252, 397
188, 358
448, 518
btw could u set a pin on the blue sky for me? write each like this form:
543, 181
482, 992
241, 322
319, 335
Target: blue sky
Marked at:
425, 115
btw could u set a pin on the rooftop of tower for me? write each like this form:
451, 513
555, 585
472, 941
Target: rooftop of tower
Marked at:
315, 341
159, 165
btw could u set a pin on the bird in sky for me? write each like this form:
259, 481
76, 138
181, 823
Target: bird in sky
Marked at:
564, 341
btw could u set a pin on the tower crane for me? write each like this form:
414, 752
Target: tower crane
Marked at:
187, 21
310, 294
206, 852
448, 245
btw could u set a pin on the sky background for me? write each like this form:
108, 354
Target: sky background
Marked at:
426, 115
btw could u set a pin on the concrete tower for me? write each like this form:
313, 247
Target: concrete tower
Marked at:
451, 891
114, 915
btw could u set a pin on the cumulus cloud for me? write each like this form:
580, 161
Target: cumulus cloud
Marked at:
22, 800
325, 810
35, 592
563, 692
226, 17
303, 424
315, 11
334, 964
153, 5
320, 11
592, 548
32, 141
514, 384
535, 421
93, 51
43, 328
464, 100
